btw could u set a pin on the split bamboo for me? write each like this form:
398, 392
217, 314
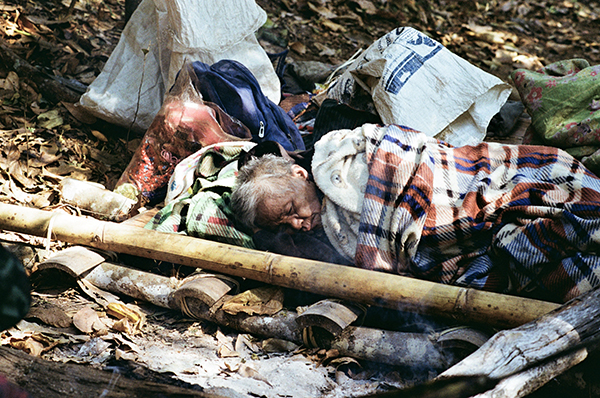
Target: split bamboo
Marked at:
360, 285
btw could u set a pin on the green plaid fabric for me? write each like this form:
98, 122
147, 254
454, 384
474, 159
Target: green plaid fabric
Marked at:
204, 210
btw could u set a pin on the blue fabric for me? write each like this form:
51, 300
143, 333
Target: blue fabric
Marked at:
230, 85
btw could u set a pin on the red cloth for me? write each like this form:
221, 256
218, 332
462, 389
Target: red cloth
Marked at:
10, 390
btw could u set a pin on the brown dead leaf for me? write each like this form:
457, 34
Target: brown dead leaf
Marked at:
324, 50
333, 26
69, 170
29, 345
323, 11
527, 61
505, 57
122, 311
17, 171
327, 356
266, 300
42, 159
11, 83
50, 314
11, 189
99, 135
225, 344
104, 157
559, 48
337, 362
226, 352
26, 25
366, 6
50, 119
123, 325
246, 370
42, 199
85, 320
298, 48
232, 366
278, 345
244, 341
80, 113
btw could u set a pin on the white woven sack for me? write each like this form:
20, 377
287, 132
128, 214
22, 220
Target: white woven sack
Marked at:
414, 81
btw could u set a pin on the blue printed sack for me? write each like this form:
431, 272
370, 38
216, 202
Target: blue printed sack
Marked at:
230, 85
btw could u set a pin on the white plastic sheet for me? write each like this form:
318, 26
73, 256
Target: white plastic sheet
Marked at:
416, 82
160, 36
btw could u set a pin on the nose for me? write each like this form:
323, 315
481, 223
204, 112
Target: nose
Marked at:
300, 223
297, 223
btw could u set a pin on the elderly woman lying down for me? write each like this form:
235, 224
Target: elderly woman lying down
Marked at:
504, 218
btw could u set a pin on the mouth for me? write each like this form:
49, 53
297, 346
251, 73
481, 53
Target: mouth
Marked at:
313, 222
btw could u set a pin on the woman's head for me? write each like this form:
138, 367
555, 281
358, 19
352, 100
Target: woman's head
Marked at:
272, 191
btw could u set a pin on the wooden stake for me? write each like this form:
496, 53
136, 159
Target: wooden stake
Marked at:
526, 357
360, 285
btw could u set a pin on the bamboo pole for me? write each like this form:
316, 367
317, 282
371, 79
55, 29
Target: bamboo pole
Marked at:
360, 285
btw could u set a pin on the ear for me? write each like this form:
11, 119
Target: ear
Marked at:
299, 171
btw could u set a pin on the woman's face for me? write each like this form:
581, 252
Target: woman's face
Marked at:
298, 206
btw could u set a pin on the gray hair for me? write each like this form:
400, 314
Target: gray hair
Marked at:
266, 176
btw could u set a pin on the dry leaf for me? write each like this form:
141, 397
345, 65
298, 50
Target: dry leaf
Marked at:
11, 83
30, 346
50, 314
324, 50
278, 345
123, 325
246, 370
133, 316
11, 189
226, 352
527, 61
99, 135
50, 119
128, 356
559, 48
85, 319
267, 300
298, 48
245, 340
328, 354
232, 366
322, 11
333, 26
337, 362
81, 114
41, 200
70, 170
367, 6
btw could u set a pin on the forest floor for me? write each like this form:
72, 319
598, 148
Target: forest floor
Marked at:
45, 139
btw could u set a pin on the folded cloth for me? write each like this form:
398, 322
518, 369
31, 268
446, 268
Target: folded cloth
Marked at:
203, 210
563, 100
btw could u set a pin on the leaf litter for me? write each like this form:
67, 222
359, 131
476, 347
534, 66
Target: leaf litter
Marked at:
42, 142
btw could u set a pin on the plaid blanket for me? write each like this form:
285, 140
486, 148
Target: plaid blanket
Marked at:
512, 219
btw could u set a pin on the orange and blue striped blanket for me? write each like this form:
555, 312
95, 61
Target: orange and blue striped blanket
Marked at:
505, 218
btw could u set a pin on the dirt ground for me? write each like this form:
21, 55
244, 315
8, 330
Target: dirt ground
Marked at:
43, 140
